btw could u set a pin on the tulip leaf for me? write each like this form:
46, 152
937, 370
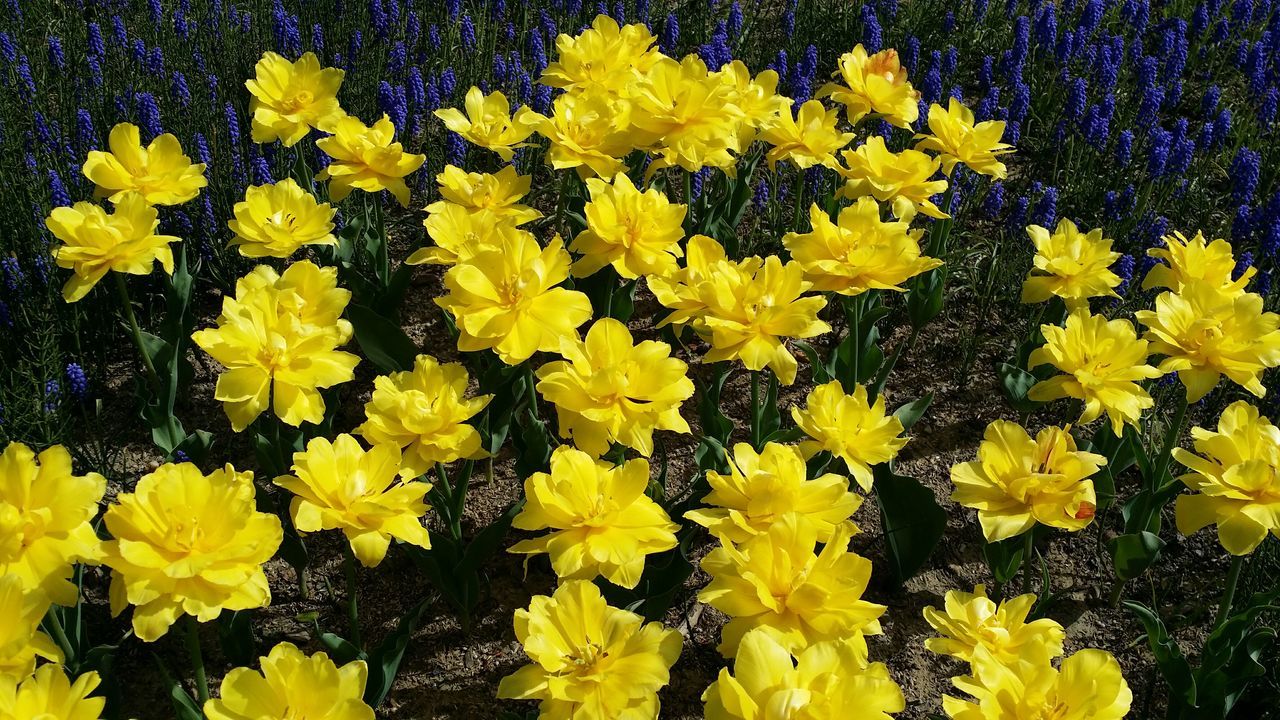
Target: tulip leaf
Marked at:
925, 297
1169, 658
1016, 383
341, 650
384, 662
184, 706
913, 522
821, 371
1133, 553
715, 424
382, 340
910, 413
235, 633
1004, 558
711, 455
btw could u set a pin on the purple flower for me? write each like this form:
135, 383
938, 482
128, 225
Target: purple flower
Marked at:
57, 57
179, 90
670, 35
734, 25
468, 33
448, 83
1046, 211
993, 203
149, 114
7, 49
1124, 268
1245, 170
77, 382
872, 36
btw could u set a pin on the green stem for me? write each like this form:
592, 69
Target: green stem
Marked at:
799, 212
127, 303
353, 607
384, 252
1171, 436
853, 315
59, 634
1028, 549
452, 513
197, 660
1229, 594
755, 409
532, 391
878, 386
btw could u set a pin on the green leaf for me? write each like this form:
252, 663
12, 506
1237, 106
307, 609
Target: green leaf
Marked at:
1132, 554
715, 423
1004, 558
710, 455
340, 650
235, 633
912, 521
382, 340
925, 297
384, 662
770, 417
1169, 658
1015, 383
184, 706
488, 541
910, 413
821, 371
533, 446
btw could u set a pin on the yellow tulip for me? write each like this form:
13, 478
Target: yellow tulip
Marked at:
588, 133
970, 620
95, 243
46, 517
1235, 473
368, 159
288, 99
1103, 361
186, 543
460, 233
808, 139
50, 695
903, 179
638, 233
762, 487
1088, 686
591, 661
1069, 264
685, 290
757, 97
1197, 260
488, 123
160, 172
1018, 481
424, 412
827, 681
609, 389
1206, 331
340, 486
688, 115
21, 641
278, 339
505, 299
874, 84
777, 580
293, 685
859, 252
957, 140
276, 220
862, 434
498, 194
602, 59
602, 522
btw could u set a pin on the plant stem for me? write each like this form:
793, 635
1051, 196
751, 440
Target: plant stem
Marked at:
883, 377
127, 303
755, 409
1171, 436
384, 252
1229, 594
353, 608
450, 513
532, 391
59, 634
1028, 549
197, 660
799, 213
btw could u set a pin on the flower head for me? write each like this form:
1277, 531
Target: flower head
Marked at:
971, 620
160, 172
460, 233
279, 338
957, 140
602, 59
1193, 261
291, 98
293, 685
590, 659
636, 232
762, 487
186, 543
49, 694
808, 139
1088, 686
488, 123
21, 641
777, 580
861, 433
587, 133
687, 116
1235, 473
602, 523
424, 412
367, 158
1069, 264
874, 84
610, 389
276, 220
1018, 481
859, 252
498, 194
684, 290
1102, 360
903, 179
46, 516
95, 243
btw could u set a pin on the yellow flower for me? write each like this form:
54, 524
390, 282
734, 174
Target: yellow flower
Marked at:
278, 339
1195, 261
1236, 478
591, 661
46, 517
1089, 686
50, 695
1072, 265
185, 543
862, 434
588, 133
828, 681
874, 84
777, 580
424, 412
488, 123
1207, 331
291, 98
21, 641
609, 389
602, 59
1103, 361
368, 159
638, 233
602, 522
757, 98
505, 299
276, 220
904, 178
971, 620
762, 487
1017, 481
859, 252
340, 486
688, 115
293, 685
95, 243
685, 290
957, 139
498, 194
459, 233
160, 172
810, 138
